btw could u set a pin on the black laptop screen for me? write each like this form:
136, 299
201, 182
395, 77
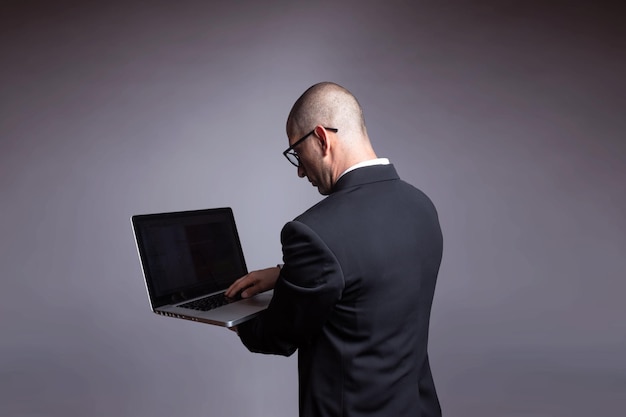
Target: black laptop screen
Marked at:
187, 254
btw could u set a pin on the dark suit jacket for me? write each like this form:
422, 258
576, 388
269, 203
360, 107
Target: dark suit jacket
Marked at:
354, 297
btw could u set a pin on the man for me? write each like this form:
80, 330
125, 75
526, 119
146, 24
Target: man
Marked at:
355, 291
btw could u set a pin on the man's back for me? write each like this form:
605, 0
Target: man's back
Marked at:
357, 286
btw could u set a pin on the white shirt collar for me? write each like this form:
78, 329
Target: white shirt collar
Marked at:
369, 163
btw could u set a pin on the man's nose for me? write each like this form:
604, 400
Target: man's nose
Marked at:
301, 172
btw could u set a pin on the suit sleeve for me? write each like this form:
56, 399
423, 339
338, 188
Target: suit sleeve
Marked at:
309, 286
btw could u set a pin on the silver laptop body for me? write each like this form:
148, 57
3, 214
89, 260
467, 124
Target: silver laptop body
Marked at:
189, 258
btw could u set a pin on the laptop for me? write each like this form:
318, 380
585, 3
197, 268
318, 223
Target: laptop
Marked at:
189, 259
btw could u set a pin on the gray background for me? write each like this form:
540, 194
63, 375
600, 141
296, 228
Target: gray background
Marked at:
509, 114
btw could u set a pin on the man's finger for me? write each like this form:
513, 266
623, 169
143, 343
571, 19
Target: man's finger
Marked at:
237, 286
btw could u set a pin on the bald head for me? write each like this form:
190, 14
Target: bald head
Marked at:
328, 153
330, 105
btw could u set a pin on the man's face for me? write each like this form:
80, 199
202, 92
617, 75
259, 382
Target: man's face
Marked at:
312, 164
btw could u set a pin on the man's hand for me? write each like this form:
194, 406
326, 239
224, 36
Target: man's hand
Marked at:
254, 283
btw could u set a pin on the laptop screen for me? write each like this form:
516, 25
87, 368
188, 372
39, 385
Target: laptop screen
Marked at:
188, 254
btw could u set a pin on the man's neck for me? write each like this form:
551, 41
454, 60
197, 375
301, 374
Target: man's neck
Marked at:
364, 163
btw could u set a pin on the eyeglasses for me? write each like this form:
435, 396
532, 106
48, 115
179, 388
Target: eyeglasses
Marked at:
291, 154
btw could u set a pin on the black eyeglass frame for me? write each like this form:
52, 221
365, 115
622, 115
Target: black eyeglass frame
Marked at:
291, 151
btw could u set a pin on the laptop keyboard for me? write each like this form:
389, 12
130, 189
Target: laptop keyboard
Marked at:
208, 303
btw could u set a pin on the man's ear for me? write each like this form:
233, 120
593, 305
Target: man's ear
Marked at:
322, 136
